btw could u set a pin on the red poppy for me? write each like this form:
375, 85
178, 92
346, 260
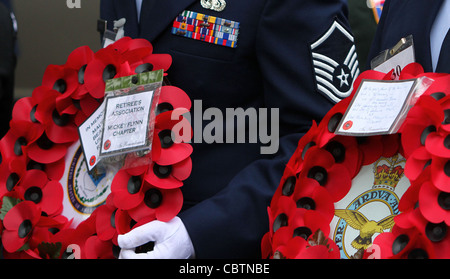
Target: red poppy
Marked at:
107, 64
314, 197
11, 172
48, 195
127, 189
320, 165
169, 177
423, 120
169, 147
279, 215
331, 120
78, 61
60, 78
95, 248
403, 244
160, 204
105, 222
417, 162
346, 153
434, 203
19, 223
44, 151
58, 127
172, 97
19, 138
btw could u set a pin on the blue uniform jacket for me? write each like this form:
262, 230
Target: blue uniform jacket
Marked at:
401, 18
231, 185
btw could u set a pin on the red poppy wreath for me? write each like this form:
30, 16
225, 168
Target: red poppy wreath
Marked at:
50, 206
384, 196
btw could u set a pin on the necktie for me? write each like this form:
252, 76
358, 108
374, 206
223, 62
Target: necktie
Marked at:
443, 65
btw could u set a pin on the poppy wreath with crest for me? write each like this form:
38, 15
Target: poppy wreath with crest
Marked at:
43, 128
307, 215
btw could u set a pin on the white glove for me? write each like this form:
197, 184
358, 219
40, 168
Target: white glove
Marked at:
171, 239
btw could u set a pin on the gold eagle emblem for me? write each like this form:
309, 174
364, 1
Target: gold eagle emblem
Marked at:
365, 227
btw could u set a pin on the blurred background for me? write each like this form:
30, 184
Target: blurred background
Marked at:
48, 31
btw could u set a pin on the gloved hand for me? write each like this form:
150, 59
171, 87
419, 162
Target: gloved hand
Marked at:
171, 239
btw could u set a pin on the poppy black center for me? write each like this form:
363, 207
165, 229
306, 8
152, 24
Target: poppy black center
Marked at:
303, 232
399, 243
143, 68
18, 145
60, 85
12, 181
81, 72
25, 228
134, 185
319, 174
306, 203
436, 232
162, 171
60, 120
109, 72
153, 198
444, 200
163, 107
428, 130
33, 194
280, 221
289, 186
165, 136
44, 142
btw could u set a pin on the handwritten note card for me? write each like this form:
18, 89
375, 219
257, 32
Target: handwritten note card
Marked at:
376, 107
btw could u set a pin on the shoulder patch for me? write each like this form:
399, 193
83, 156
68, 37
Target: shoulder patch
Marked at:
335, 62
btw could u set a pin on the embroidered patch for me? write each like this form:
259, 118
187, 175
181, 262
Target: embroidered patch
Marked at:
335, 62
206, 28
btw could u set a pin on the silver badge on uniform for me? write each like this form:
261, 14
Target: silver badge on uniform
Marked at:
215, 5
335, 62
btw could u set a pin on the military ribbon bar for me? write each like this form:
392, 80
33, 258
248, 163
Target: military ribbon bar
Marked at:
206, 28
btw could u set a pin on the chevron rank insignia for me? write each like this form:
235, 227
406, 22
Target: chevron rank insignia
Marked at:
335, 62
206, 28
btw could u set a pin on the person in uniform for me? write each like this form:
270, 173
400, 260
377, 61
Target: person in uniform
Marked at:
427, 21
8, 28
295, 56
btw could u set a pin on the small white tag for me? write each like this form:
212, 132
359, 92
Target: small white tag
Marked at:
90, 135
397, 62
126, 123
376, 108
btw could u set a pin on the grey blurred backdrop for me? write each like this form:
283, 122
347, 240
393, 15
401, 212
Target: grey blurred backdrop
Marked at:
48, 32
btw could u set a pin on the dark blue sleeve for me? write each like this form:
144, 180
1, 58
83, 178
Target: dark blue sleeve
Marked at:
377, 44
231, 223
108, 12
